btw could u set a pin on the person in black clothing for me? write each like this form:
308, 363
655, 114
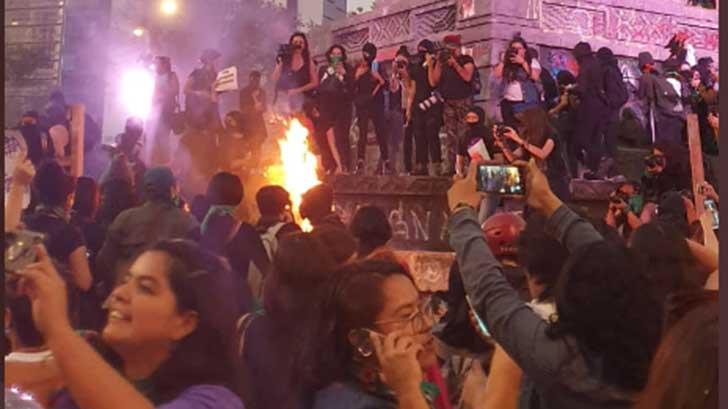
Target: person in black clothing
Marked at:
253, 103
126, 156
610, 69
200, 96
336, 81
83, 216
369, 102
36, 139
564, 119
591, 111
294, 76
452, 72
668, 168
425, 123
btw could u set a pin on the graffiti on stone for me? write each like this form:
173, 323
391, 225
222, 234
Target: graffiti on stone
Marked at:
624, 25
417, 222
353, 40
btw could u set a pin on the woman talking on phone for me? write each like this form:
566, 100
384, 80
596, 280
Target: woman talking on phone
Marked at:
537, 139
382, 341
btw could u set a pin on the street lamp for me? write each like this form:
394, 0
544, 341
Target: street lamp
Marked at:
169, 7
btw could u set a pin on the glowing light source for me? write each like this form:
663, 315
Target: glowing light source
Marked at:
138, 31
137, 87
13, 23
297, 169
169, 7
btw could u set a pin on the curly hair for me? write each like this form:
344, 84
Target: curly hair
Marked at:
510, 70
600, 301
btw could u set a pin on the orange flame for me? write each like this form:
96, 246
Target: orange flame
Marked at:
296, 171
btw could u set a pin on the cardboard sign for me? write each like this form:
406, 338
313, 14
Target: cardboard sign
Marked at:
227, 80
478, 152
15, 148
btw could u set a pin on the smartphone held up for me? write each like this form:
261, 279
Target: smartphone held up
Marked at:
506, 180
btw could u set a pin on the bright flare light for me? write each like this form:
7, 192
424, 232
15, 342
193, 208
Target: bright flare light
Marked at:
137, 87
297, 170
138, 32
169, 7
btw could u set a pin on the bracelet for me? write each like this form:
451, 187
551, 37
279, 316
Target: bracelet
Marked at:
461, 205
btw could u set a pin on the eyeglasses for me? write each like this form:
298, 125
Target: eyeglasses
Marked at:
419, 319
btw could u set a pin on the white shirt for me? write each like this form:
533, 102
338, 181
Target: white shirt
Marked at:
513, 91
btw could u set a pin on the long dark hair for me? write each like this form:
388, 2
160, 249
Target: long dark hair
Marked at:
200, 282
294, 297
665, 258
117, 195
535, 124
371, 227
356, 300
601, 302
684, 373
510, 71
306, 52
340, 47
541, 255
85, 201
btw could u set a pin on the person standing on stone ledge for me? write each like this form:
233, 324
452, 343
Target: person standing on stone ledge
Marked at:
452, 73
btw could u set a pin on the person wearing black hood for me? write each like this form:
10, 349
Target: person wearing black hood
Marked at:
616, 95
476, 131
590, 113
35, 138
369, 102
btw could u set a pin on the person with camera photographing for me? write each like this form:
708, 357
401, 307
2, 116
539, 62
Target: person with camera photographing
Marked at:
164, 104
396, 106
336, 83
666, 169
294, 76
369, 102
452, 72
201, 102
425, 112
519, 72
625, 205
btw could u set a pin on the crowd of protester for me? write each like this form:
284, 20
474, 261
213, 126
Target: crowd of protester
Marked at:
136, 298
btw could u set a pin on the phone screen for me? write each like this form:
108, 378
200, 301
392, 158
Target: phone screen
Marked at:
501, 179
713, 209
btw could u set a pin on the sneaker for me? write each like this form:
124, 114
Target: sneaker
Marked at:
387, 168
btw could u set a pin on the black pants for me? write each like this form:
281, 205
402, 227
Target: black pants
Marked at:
590, 124
338, 119
509, 117
611, 129
426, 129
408, 141
375, 113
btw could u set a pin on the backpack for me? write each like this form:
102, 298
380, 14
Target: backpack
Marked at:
256, 277
615, 89
476, 82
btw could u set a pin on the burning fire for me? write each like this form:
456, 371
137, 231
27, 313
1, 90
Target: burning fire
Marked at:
297, 169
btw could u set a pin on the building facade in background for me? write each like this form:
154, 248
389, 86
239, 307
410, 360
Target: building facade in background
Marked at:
553, 27
315, 12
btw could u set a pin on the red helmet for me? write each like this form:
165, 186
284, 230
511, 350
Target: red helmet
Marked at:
501, 233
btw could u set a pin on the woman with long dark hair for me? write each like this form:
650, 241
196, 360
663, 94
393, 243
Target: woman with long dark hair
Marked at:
295, 75
381, 327
279, 350
537, 139
519, 72
167, 340
335, 105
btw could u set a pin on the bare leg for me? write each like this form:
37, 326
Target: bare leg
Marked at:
334, 152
